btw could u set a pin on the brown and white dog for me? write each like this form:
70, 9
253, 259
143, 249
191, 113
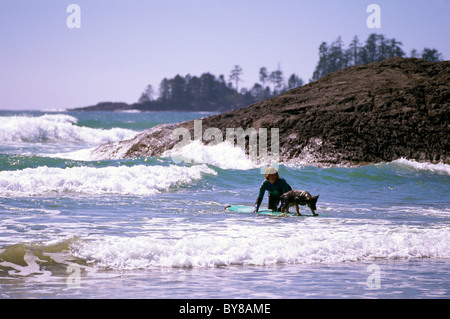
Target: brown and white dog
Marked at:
296, 198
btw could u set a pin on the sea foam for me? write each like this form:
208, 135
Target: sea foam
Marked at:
266, 245
223, 155
124, 180
436, 168
56, 128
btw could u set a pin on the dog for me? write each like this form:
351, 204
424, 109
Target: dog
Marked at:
298, 197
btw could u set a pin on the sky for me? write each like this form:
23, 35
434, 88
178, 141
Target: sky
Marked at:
124, 45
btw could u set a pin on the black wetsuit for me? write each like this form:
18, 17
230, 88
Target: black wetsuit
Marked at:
275, 190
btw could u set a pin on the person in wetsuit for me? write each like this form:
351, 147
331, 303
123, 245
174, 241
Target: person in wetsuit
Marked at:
275, 186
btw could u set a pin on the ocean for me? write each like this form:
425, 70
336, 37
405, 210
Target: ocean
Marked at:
74, 225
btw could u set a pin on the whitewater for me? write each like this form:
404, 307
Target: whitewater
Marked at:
79, 224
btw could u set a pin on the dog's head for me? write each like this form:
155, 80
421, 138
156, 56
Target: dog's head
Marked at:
312, 203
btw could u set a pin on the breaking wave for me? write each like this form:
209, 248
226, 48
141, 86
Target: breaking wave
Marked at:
56, 128
243, 245
124, 180
440, 168
222, 155
258, 245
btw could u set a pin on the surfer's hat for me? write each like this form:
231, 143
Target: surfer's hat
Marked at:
269, 171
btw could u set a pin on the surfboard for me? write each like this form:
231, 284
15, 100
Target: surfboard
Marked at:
268, 212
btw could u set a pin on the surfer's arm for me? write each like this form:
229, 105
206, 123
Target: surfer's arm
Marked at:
257, 204
260, 197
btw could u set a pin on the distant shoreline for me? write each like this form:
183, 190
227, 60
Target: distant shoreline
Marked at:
140, 107
118, 111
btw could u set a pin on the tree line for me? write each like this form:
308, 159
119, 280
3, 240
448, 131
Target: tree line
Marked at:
376, 48
208, 92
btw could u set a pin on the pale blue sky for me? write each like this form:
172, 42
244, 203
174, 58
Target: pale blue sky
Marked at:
124, 45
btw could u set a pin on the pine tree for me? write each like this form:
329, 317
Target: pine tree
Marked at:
276, 77
235, 76
353, 52
431, 55
147, 95
294, 82
263, 76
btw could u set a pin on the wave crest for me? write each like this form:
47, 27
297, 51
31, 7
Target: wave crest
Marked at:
223, 155
56, 128
122, 180
243, 245
436, 168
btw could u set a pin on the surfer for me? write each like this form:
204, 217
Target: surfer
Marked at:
275, 186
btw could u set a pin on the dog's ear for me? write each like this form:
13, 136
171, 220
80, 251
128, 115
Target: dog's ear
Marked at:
316, 197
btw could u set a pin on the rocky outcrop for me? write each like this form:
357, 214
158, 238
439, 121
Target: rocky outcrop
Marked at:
363, 114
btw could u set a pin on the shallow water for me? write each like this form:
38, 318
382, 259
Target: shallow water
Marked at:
75, 227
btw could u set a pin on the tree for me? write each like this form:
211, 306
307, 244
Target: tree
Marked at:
395, 49
414, 54
164, 90
147, 95
178, 88
331, 58
379, 48
276, 77
370, 49
337, 60
431, 55
341, 57
192, 88
294, 81
235, 76
257, 91
383, 48
353, 52
322, 65
208, 87
335, 57
263, 76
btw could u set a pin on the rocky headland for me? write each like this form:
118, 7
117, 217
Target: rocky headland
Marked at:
383, 111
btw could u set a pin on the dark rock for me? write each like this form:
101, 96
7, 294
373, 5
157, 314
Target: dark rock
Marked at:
364, 114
